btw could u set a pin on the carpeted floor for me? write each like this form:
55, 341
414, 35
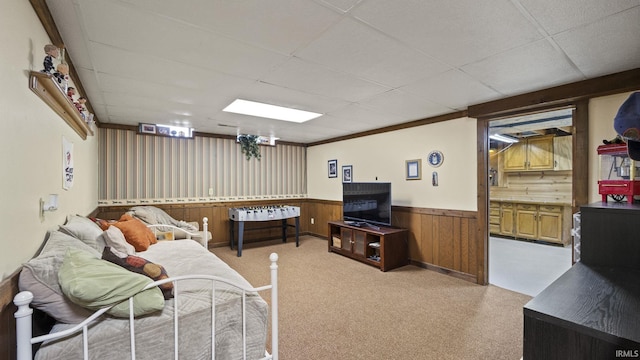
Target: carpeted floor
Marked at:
332, 307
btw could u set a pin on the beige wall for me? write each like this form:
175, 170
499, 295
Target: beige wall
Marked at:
602, 110
31, 145
382, 157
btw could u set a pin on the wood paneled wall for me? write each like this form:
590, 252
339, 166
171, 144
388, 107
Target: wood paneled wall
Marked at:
442, 240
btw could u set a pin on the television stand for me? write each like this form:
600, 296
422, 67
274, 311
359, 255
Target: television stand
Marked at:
383, 247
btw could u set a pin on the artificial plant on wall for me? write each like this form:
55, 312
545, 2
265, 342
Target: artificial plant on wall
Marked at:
249, 145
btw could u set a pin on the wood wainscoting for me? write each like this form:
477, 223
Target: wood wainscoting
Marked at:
444, 240
441, 240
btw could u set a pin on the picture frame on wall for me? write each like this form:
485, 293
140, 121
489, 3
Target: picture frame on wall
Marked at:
347, 173
163, 130
333, 168
414, 169
147, 129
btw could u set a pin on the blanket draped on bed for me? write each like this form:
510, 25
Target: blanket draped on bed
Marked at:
109, 337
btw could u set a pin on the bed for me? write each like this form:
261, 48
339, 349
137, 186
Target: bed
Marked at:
165, 313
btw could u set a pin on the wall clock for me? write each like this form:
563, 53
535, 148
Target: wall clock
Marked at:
435, 158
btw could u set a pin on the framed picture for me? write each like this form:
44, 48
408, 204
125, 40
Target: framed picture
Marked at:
147, 129
414, 171
333, 168
163, 130
347, 173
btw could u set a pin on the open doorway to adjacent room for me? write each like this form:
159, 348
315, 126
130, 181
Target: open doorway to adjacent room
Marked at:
530, 199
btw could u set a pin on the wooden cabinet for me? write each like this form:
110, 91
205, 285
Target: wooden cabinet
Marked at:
541, 222
550, 219
562, 153
544, 222
526, 221
494, 217
530, 154
384, 248
507, 215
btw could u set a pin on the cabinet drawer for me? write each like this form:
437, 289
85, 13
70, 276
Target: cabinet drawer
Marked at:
506, 205
494, 219
494, 205
494, 228
551, 208
494, 212
526, 207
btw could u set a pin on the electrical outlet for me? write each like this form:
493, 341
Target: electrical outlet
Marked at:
313, 221
210, 191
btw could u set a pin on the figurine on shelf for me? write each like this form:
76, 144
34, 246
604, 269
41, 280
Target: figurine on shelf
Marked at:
80, 105
52, 52
62, 75
71, 92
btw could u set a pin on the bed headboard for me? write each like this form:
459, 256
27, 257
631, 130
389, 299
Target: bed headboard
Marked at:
8, 289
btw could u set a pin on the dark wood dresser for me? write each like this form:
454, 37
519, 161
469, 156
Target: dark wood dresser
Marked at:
593, 310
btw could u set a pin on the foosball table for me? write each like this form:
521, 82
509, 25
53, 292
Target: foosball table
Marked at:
262, 213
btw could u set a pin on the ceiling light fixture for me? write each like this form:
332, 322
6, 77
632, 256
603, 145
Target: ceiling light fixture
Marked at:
253, 108
503, 138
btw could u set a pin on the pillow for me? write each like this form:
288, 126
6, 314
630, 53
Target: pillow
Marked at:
136, 232
114, 238
82, 228
103, 224
40, 276
141, 266
94, 283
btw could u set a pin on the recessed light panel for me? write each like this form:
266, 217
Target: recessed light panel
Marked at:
253, 108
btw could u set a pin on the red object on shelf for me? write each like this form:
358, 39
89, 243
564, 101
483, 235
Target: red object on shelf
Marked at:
629, 188
612, 149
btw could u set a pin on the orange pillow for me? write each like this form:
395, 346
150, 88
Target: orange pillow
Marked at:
135, 232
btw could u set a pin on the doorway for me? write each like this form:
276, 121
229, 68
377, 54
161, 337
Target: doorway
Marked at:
530, 197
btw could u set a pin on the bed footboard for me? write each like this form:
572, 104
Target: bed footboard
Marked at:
24, 314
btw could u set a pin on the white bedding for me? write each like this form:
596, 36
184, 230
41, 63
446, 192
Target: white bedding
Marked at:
109, 337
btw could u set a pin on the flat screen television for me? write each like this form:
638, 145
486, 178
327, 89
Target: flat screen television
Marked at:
367, 203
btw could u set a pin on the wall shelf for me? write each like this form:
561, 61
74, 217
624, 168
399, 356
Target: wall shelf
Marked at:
47, 88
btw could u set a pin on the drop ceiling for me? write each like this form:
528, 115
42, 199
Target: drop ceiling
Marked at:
362, 64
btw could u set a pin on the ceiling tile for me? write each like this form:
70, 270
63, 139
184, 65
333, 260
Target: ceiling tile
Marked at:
531, 67
282, 25
456, 31
164, 38
557, 16
355, 48
606, 46
452, 89
306, 77
408, 106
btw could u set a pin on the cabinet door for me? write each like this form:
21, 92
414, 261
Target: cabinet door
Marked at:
506, 219
515, 157
550, 223
347, 239
540, 153
563, 152
359, 244
526, 221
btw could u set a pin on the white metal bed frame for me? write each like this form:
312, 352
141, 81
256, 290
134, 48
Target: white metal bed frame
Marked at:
24, 315
205, 231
